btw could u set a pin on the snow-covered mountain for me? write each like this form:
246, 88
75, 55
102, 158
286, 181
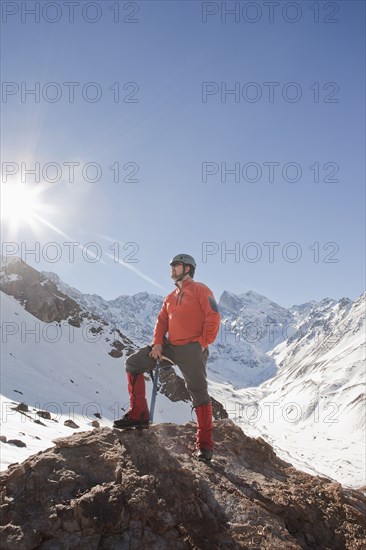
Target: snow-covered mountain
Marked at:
313, 410
251, 326
255, 319
293, 376
133, 315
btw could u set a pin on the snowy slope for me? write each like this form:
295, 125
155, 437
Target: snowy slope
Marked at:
251, 325
66, 371
133, 315
255, 319
312, 411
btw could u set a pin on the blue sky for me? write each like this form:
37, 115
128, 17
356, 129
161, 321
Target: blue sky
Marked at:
166, 137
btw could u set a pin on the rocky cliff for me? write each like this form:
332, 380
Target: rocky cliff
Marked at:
39, 295
109, 489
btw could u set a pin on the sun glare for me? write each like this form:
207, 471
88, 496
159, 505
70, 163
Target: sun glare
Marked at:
20, 204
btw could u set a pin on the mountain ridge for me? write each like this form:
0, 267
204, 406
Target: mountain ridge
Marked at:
263, 359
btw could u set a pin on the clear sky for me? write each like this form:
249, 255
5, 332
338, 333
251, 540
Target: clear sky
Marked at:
273, 172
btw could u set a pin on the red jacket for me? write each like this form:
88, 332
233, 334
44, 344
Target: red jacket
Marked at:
188, 314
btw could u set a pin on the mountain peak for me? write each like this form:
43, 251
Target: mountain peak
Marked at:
118, 489
231, 303
253, 293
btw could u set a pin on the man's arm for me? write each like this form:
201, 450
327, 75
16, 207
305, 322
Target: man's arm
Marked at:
160, 329
212, 317
161, 326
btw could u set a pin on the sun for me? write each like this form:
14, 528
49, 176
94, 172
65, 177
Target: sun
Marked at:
20, 204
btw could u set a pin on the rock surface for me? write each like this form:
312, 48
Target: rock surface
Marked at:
172, 385
39, 295
112, 489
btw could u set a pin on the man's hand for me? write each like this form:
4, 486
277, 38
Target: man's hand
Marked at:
156, 352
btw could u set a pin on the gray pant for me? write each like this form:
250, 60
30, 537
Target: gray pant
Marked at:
190, 359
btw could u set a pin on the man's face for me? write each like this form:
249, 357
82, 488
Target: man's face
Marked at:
177, 270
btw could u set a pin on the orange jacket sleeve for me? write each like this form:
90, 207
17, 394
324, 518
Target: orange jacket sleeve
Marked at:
161, 326
211, 323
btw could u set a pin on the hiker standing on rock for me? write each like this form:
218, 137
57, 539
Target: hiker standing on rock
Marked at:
187, 323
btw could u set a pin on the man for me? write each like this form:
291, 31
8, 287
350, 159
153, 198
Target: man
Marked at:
187, 323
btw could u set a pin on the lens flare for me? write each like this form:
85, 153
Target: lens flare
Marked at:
20, 205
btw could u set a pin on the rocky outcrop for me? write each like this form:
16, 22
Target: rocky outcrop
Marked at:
111, 489
124, 344
39, 295
172, 385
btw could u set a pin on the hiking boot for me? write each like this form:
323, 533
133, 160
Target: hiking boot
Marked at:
127, 422
204, 455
